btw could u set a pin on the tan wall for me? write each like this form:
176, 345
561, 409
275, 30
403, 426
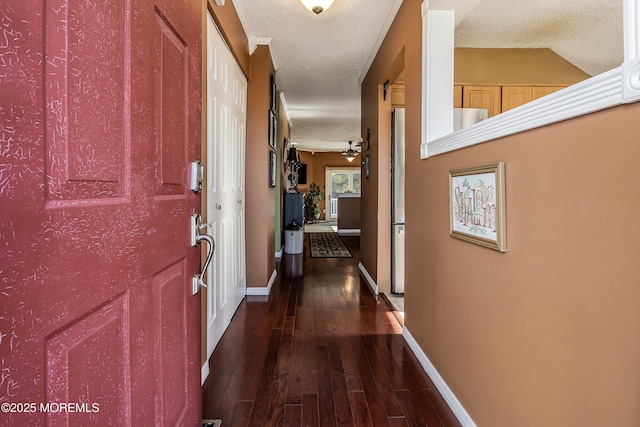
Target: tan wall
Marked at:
376, 117
514, 66
558, 320
227, 21
260, 198
546, 333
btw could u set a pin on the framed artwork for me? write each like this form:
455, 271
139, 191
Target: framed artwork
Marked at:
367, 165
285, 152
477, 206
272, 169
272, 93
272, 130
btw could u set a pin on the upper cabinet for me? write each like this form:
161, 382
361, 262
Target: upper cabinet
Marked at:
498, 99
513, 96
501, 79
487, 97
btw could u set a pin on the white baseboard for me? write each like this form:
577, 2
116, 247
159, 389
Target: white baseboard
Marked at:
262, 291
367, 276
455, 405
348, 231
204, 373
279, 253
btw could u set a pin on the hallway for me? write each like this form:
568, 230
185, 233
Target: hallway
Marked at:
321, 350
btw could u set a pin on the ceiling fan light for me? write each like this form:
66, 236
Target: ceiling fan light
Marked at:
317, 6
350, 154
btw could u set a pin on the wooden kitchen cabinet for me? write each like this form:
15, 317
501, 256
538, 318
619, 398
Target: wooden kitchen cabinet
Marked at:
540, 91
457, 96
498, 99
514, 96
488, 97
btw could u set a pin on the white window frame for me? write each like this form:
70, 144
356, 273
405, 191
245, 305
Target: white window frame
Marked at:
618, 86
331, 203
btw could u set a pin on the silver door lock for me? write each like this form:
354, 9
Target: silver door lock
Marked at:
196, 175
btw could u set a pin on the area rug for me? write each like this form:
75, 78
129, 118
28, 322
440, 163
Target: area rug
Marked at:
327, 245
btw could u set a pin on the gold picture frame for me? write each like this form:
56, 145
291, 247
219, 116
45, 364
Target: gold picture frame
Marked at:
477, 211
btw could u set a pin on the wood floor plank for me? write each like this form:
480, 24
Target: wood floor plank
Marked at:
310, 365
310, 410
374, 401
223, 373
320, 350
293, 416
412, 415
275, 415
292, 303
294, 385
420, 399
326, 406
232, 393
241, 414
397, 422
263, 394
343, 414
360, 409
350, 367
385, 387
389, 364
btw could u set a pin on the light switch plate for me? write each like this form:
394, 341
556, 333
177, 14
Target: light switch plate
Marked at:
220, 2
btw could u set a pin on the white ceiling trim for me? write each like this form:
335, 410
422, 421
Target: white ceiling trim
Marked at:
380, 40
266, 41
285, 108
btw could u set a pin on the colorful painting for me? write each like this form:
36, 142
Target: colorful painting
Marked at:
477, 205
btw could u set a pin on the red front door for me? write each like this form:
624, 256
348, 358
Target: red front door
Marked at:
99, 118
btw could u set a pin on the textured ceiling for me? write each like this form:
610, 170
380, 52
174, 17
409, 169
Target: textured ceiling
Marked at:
321, 59
587, 33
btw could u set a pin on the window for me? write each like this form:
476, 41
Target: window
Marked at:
339, 181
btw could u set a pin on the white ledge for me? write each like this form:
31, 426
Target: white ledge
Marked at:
597, 93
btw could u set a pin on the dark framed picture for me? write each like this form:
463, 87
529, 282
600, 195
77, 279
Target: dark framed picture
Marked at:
367, 165
272, 93
285, 152
272, 169
272, 130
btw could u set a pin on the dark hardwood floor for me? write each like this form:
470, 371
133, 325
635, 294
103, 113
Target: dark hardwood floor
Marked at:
321, 350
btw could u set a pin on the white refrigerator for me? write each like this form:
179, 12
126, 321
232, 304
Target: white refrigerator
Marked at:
397, 200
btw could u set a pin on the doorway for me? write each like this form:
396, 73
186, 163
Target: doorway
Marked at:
97, 269
396, 296
338, 181
226, 140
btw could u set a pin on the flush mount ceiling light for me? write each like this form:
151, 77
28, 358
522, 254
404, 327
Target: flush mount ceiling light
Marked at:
317, 6
350, 154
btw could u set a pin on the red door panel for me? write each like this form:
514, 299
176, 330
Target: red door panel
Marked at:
99, 117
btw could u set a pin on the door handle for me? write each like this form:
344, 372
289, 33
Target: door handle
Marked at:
196, 237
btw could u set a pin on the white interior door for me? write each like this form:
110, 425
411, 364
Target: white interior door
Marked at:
226, 138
